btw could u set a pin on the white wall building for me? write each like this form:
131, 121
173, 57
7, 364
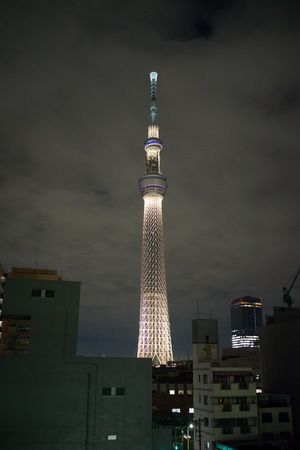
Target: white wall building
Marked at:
225, 406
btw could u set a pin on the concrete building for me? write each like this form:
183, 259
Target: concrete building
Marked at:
275, 417
53, 399
244, 357
280, 363
246, 318
172, 397
225, 407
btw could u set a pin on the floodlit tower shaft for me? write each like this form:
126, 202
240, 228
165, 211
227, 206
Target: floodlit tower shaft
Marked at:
154, 333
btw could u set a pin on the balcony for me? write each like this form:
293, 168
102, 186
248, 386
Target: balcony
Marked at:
223, 411
227, 433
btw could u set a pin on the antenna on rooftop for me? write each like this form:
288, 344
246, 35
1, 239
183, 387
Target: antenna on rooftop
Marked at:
36, 257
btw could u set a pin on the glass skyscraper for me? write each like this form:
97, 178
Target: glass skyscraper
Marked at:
246, 318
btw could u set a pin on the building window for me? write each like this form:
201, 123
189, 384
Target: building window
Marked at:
120, 391
163, 389
49, 293
227, 429
112, 437
172, 391
286, 435
205, 421
283, 416
175, 410
106, 391
180, 391
267, 436
191, 410
266, 417
43, 293
206, 445
199, 398
205, 399
36, 293
113, 391
205, 379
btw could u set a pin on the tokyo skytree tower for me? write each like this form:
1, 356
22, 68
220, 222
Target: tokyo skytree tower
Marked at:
154, 332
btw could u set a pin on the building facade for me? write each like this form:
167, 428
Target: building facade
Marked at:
275, 417
280, 364
246, 318
154, 326
53, 399
225, 406
172, 399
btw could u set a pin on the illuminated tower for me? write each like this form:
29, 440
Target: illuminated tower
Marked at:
154, 333
246, 318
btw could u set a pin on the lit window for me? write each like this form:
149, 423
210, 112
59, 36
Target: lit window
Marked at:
172, 391
112, 437
180, 391
191, 410
175, 410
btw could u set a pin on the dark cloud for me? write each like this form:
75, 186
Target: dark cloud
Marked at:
196, 19
74, 89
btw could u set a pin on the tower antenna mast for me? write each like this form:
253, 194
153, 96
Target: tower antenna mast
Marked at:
153, 107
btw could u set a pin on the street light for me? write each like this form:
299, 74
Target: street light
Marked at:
188, 435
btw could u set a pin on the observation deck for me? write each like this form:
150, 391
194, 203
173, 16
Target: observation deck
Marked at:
153, 184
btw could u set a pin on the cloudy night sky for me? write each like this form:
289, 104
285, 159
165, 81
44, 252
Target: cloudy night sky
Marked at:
75, 97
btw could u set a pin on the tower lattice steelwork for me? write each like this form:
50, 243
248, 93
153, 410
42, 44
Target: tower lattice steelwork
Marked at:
154, 333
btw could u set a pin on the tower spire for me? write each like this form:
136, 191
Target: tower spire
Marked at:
154, 331
153, 107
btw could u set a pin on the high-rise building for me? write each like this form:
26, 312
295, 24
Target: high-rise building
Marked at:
246, 317
154, 329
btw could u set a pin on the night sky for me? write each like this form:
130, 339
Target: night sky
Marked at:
75, 97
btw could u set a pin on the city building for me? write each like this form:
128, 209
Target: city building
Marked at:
2, 278
154, 326
244, 357
246, 318
172, 399
280, 363
53, 399
225, 406
275, 417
